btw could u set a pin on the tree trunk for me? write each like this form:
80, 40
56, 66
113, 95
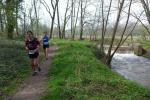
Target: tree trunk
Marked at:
75, 24
72, 18
24, 23
109, 57
58, 19
52, 25
119, 44
1, 21
146, 9
81, 21
103, 27
65, 20
10, 18
17, 2
36, 16
53, 17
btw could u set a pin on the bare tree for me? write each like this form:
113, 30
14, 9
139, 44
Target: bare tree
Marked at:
83, 6
36, 8
124, 30
9, 9
58, 19
96, 22
24, 22
66, 18
104, 24
1, 16
130, 33
74, 14
145, 4
140, 20
1, 22
81, 20
31, 18
103, 27
52, 14
111, 53
76, 19
109, 57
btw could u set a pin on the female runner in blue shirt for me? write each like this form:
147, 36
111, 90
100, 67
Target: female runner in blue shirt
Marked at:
46, 44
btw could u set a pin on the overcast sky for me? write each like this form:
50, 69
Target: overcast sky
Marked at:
45, 18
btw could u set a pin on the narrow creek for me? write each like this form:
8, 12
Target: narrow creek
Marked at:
132, 67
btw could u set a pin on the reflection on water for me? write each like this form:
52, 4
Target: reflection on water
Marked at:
132, 67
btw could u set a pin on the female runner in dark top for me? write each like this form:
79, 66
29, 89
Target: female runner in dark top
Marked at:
32, 46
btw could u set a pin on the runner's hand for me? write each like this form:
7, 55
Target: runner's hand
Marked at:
35, 50
27, 49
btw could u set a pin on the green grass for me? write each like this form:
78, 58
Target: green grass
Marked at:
75, 73
14, 65
146, 45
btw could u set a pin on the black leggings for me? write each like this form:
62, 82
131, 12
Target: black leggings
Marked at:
33, 56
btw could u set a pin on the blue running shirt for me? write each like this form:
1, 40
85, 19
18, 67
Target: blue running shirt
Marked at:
45, 40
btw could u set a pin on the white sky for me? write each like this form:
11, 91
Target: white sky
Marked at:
45, 18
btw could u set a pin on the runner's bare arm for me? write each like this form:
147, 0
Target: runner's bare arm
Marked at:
37, 49
26, 48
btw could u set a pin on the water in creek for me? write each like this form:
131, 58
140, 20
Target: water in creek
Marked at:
132, 67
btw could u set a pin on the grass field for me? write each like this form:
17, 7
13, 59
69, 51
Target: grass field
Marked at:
76, 74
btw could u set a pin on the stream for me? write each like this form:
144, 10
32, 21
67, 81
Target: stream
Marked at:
132, 67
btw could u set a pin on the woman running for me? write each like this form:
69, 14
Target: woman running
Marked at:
32, 46
46, 44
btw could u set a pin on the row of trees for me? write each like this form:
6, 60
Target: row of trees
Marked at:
13, 12
78, 19
76, 16
75, 12
16, 19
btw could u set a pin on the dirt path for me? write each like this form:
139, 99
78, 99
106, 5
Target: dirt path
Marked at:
33, 87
